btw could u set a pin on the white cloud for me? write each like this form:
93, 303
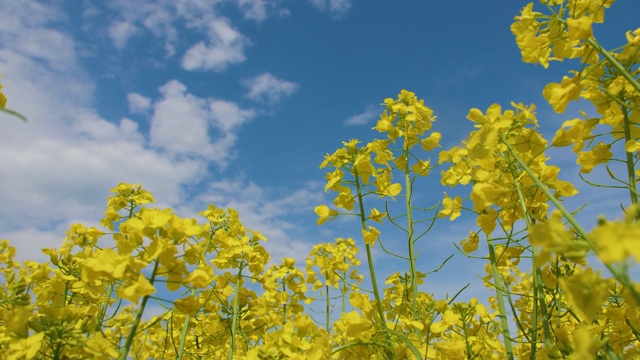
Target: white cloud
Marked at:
138, 104
253, 9
363, 118
337, 8
182, 123
225, 47
120, 32
267, 87
62, 163
260, 10
228, 116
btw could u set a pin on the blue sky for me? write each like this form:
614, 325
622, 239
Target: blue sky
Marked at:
235, 102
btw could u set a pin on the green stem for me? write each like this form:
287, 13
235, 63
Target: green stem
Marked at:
412, 257
185, 330
497, 278
103, 308
234, 321
538, 285
134, 328
327, 309
284, 306
615, 63
372, 272
629, 158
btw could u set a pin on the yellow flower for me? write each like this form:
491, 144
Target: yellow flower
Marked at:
615, 241
580, 29
599, 154
431, 142
573, 132
470, 244
384, 186
585, 292
200, 278
325, 214
188, 305
421, 168
107, 263
142, 287
370, 235
451, 207
377, 215
559, 95
26, 348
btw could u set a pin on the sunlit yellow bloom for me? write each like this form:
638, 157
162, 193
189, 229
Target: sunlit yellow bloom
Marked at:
451, 207
470, 244
26, 348
559, 95
376, 215
574, 131
107, 263
421, 167
585, 292
325, 214
370, 236
615, 241
580, 29
188, 305
142, 287
599, 154
384, 186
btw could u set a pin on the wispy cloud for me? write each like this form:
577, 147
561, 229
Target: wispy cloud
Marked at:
120, 32
182, 124
363, 118
269, 88
336, 8
138, 104
261, 10
224, 47
62, 163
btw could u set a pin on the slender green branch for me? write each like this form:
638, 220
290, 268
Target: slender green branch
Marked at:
134, 328
615, 63
497, 278
372, 272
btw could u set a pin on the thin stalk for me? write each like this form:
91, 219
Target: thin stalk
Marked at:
615, 63
412, 256
185, 329
497, 278
629, 158
234, 321
328, 308
103, 308
538, 285
284, 306
134, 328
372, 272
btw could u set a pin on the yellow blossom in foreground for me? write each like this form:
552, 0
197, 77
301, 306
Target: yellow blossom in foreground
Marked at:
451, 207
370, 236
135, 291
586, 292
26, 348
325, 214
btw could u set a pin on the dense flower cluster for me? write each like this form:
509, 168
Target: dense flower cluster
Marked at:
559, 291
